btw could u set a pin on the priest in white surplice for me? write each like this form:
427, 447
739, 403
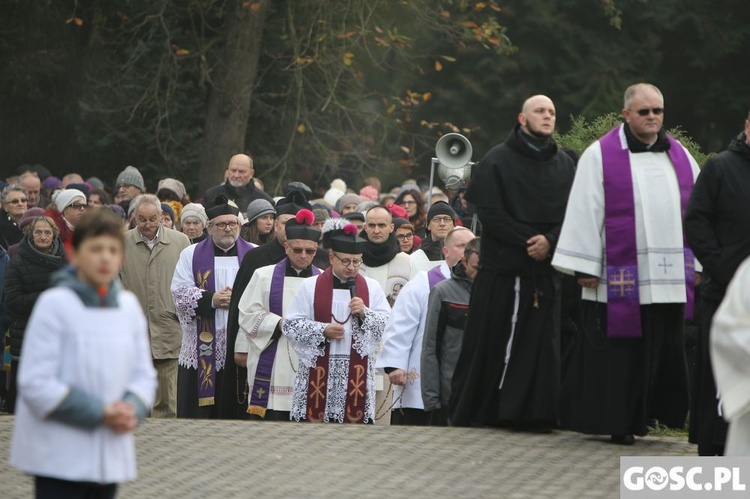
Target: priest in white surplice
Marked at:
271, 362
730, 356
335, 323
201, 288
623, 237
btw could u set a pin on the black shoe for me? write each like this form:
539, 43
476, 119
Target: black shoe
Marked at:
623, 439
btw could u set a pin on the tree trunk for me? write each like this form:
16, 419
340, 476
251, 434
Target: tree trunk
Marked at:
233, 81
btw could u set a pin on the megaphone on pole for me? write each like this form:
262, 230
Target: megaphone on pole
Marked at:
453, 153
453, 150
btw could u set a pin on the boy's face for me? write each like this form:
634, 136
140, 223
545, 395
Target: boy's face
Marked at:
98, 260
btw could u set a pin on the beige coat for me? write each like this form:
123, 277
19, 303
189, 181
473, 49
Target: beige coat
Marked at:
148, 274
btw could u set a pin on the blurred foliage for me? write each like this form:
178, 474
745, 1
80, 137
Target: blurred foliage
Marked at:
352, 87
583, 133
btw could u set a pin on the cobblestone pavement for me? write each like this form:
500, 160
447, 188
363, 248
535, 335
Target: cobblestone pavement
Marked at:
222, 459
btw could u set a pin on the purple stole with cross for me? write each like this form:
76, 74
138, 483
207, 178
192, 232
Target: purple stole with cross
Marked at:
262, 383
203, 269
356, 384
623, 303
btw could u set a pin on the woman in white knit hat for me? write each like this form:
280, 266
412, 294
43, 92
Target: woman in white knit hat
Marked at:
70, 206
193, 221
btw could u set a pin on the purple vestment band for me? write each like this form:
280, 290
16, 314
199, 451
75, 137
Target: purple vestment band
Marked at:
203, 270
620, 232
435, 276
262, 383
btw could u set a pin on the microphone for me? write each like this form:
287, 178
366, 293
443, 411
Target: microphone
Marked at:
351, 284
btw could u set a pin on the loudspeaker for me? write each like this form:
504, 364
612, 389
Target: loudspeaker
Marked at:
453, 150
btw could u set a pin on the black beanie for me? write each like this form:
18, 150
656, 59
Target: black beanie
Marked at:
440, 208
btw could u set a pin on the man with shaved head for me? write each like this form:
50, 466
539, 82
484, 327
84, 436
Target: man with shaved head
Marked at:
239, 186
508, 370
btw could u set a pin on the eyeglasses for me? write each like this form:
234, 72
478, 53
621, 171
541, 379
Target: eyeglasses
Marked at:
18, 201
402, 237
356, 262
444, 220
224, 225
307, 251
78, 206
645, 112
407, 203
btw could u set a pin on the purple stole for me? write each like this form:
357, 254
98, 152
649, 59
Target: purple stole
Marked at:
262, 384
623, 303
356, 387
435, 276
203, 268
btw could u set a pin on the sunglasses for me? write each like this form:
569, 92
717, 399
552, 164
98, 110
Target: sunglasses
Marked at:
656, 110
307, 251
18, 201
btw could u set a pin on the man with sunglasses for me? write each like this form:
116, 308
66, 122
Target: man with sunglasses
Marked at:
202, 290
260, 347
335, 323
623, 237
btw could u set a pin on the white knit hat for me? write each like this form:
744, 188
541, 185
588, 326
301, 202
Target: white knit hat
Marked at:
194, 210
65, 198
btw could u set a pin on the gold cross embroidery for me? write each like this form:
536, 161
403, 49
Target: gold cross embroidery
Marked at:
357, 384
318, 385
413, 375
625, 282
260, 391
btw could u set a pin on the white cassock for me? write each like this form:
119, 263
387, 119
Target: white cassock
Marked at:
392, 276
658, 220
186, 295
306, 337
257, 325
730, 356
420, 262
402, 342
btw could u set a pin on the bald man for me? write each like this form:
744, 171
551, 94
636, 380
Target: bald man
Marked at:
508, 373
239, 186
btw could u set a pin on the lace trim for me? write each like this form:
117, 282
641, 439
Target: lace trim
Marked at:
306, 337
185, 302
189, 349
367, 336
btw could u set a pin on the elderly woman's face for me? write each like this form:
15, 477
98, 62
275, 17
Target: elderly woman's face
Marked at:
42, 235
16, 204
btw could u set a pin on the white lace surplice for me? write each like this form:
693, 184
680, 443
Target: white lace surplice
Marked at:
186, 295
306, 336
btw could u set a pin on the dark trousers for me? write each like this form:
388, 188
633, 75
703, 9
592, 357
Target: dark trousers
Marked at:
410, 417
53, 488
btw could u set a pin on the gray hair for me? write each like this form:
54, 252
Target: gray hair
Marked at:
146, 199
632, 90
12, 188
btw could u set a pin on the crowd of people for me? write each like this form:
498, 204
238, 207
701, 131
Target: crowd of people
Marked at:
371, 306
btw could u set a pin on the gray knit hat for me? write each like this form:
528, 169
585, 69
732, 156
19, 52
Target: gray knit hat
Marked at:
194, 210
131, 176
347, 199
258, 208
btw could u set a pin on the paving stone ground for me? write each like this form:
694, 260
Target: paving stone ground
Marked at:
223, 459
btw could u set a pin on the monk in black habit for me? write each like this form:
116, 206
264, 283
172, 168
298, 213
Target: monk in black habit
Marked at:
508, 373
716, 227
232, 399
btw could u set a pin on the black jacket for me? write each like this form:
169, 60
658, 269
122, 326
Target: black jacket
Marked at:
718, 217
10, 234
27, 275
520, 190
242, 196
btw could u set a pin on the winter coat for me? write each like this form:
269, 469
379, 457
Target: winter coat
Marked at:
27, 275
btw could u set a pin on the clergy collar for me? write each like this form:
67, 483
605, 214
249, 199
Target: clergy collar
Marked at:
221, 252
339, 283
292, 272
636, 146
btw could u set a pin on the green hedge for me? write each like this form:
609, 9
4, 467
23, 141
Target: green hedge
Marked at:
583, 133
